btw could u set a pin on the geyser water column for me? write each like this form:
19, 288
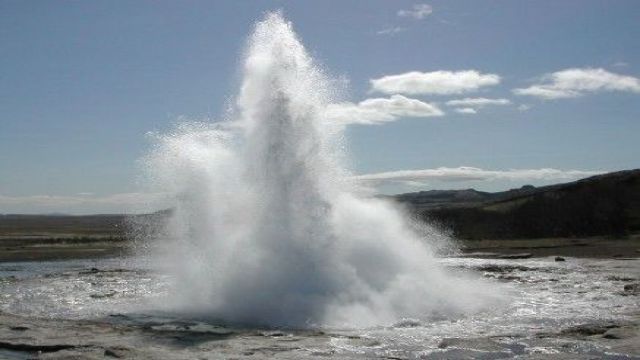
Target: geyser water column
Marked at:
266, 228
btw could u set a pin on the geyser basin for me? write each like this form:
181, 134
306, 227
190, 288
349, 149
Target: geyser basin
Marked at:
267, 227
558, 305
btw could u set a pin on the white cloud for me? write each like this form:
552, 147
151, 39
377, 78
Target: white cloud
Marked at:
464, 173
477, 102
546, 92
571, 83
435, 82
524, 107
466, 110
415, 183
391, 30
418, 11
472, 105
402, 106
380, 110
83, 203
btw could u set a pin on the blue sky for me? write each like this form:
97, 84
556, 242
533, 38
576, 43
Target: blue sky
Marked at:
82, 82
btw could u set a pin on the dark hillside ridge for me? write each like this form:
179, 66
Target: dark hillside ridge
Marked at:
602, 205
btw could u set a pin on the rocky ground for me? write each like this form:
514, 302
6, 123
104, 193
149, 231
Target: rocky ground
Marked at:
571, 309
614, 273
594, 247
25, 338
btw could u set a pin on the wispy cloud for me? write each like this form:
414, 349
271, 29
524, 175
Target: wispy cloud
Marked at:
464, 173
84, 203
391, 30
571, 83
435, 82
467, 110
380, 110
477, 102
472, 105
417, 11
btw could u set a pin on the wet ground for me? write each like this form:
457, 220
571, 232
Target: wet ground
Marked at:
573, 309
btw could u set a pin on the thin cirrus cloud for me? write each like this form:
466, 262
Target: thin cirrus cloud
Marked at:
576, 82
391, 30
477, 102
417, 11
436, 82
471, 105
467, 110
380, 110
465, 173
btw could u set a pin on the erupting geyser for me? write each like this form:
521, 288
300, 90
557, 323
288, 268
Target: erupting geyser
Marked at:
267, 228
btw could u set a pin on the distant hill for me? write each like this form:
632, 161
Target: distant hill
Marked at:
606, 204
447, 198
66, 226
61, 225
